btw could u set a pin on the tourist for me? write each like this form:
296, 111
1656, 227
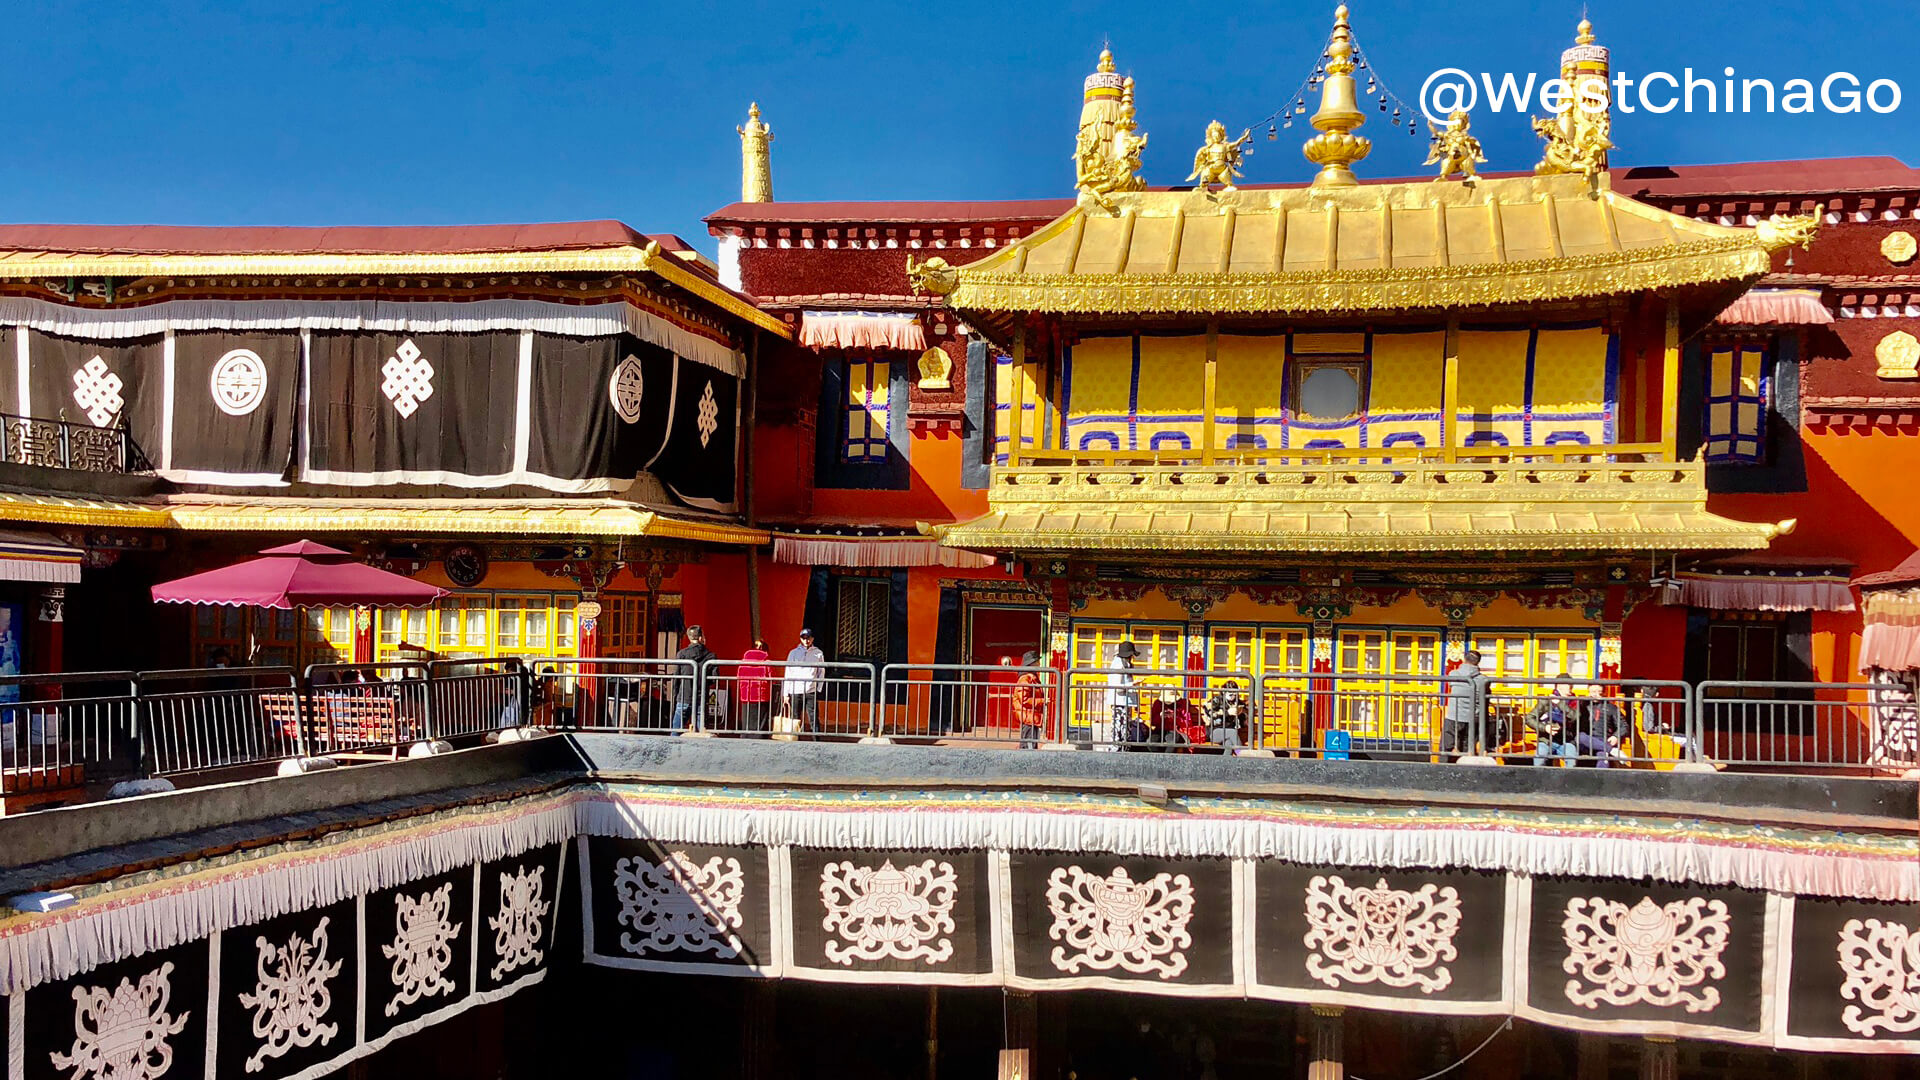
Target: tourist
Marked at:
1123, 697
1032, 701
756, 692
1553, 721
684, 694
1466, 703
1603, 727
1227, 717
805, 668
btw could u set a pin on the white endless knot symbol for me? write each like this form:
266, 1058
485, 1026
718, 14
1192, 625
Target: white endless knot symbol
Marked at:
239, 382
624, 389
96, 389
709, 415
409, 378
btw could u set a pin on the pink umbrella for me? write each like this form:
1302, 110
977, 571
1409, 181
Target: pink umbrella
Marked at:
303, 574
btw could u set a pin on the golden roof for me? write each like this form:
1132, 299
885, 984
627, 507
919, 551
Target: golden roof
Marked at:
531, 518
1338, 509
1376, 247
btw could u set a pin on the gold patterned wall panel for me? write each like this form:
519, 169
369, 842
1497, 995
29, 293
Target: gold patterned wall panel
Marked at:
1100, 394
1171, 392
1409, 372
1249, 375
1493, 387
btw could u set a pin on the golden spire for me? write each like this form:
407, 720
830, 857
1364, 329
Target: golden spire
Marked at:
1336, 148
756, 158
1577, 140
1106, 152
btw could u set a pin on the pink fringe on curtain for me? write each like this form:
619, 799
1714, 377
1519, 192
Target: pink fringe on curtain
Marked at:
858, 330
1764, 594
875, 552
1889, 647
1777, 307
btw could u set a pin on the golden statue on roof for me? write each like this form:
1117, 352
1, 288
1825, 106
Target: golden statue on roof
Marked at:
756, 158
1106, 152
1455, 150
1218, 160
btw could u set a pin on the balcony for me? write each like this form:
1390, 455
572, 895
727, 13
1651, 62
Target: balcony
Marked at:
64, 444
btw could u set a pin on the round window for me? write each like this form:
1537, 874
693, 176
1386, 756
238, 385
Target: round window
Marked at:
1329, 393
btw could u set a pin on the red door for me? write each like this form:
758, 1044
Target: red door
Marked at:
1000, 637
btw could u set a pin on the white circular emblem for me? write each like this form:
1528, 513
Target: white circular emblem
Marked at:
239, 382
623, 389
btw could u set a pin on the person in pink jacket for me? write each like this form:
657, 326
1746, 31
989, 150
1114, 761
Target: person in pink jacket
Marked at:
756, 692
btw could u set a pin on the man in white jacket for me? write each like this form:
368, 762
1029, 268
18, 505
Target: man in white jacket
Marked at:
806, 668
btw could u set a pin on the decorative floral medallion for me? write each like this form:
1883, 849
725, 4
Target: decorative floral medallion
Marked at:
407, 378
521, 923
1381, 935
1116, 922
122, 1034
678, 905
422, 947
1881, 962
1648, 953
291, 995
899, 913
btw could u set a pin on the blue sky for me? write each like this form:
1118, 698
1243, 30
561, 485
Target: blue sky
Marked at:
394, 112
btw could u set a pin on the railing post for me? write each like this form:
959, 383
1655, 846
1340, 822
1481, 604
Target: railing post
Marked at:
877, 711
699, 710
138, 706
429, 721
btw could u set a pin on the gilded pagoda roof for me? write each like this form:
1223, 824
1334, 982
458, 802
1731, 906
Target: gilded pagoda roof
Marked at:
1349, 509
1368, 247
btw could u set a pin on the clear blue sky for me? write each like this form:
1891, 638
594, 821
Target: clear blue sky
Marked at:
385, 111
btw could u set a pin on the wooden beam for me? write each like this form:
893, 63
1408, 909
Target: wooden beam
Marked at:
1670, 386
1450, 392
1017, 422
1208, 394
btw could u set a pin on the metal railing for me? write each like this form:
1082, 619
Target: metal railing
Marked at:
634, 696
61, 731
197, 718
472, 697
358, 708
66, 731
1797, 726
769, 697
984, 704
64, 444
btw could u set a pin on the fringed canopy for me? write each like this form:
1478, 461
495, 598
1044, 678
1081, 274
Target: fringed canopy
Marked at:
861, 330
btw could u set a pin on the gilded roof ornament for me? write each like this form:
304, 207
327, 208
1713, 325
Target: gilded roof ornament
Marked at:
756, 158
934, 276
1456, 151
1106, 152
1336, 148
1580, 134
1785, 231
1218, 160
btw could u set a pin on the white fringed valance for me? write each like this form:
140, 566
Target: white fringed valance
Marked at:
585, 320
1777, 307
1194, 834
1743, 592
886, 552
861, 330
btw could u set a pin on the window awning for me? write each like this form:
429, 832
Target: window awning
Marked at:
1777, 307
873, 552
1764, 583
861, 330
36, 557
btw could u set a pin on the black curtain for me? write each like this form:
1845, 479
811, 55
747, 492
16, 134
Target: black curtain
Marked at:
943, 710
599, 406
234, 402
819, 609
698, 462
418, 403
126, 384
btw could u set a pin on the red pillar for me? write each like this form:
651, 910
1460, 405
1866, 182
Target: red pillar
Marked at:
47, 637
362, 635
1059, 617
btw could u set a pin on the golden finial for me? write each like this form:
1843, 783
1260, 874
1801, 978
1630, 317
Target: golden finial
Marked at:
756, 158
1106, 151
1583, 34
1106, 60
1336, 148
1577, 140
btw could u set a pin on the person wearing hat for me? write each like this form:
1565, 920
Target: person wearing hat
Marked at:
683, 689
1124, 699
1032, 701
806, 665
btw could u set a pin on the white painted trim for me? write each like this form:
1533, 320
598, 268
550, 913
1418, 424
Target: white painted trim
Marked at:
443, 478
166, 404
22, 361
523, 405
213, 1004
305, 404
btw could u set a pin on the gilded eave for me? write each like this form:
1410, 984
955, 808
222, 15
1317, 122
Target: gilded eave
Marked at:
1381, 247
1355, 509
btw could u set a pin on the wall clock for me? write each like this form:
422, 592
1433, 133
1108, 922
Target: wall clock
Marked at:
466, 565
